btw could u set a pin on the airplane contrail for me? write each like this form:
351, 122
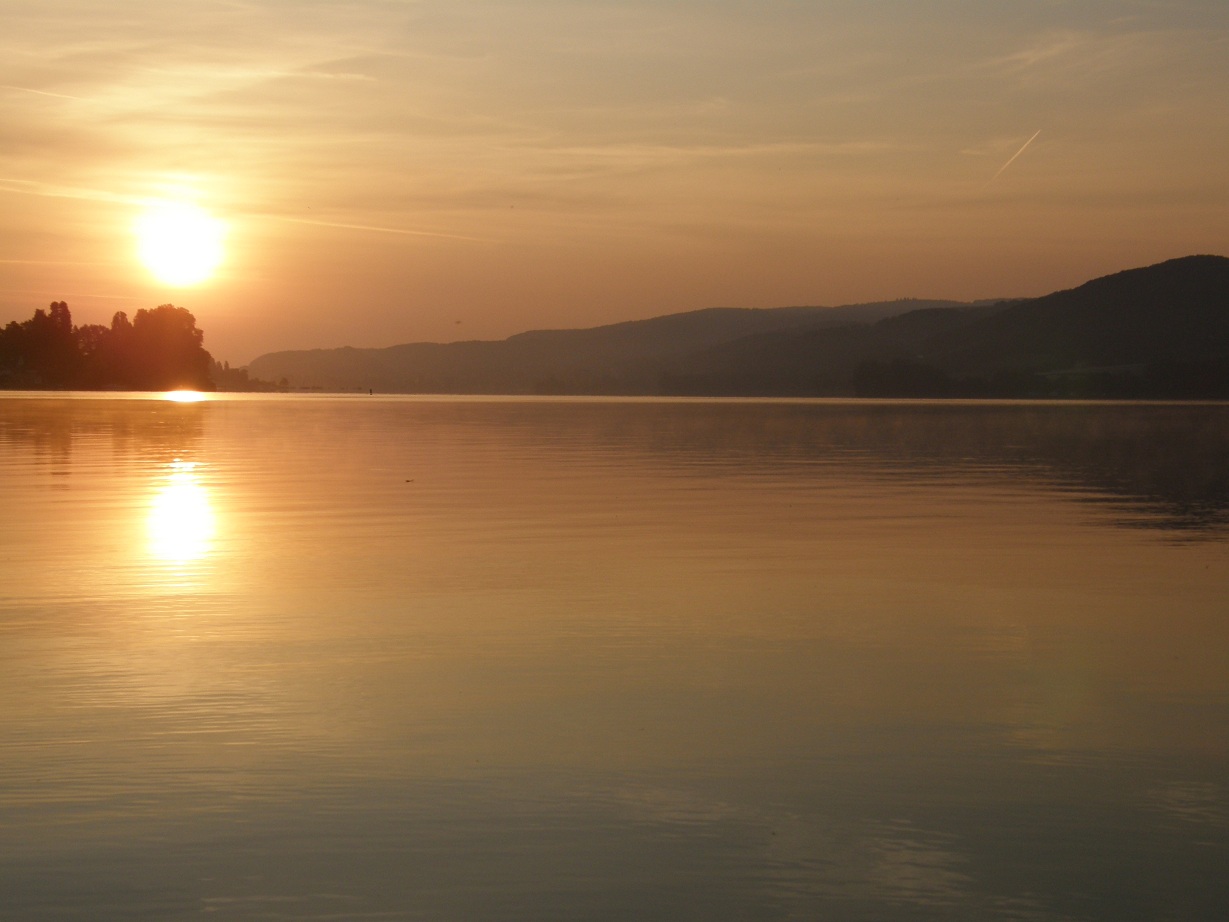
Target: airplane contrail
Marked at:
1022, 149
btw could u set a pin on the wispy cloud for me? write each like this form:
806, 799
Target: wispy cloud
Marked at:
26, 89
51, 262
1116, 50
400, 231
33, 187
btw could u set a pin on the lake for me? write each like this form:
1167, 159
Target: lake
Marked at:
317, 657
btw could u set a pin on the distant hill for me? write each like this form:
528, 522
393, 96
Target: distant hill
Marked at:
619, 358
1159, 331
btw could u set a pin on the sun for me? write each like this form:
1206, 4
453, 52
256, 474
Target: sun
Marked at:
181, 244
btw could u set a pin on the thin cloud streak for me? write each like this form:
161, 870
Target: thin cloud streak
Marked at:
51, 262
27, 89
47, 191
387, 230
41, 293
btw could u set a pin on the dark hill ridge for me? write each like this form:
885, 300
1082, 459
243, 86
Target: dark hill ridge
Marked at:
1174, 311
627, 357
1159, 331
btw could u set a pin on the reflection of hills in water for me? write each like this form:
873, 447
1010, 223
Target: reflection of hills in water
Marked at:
155, 430
1162, 464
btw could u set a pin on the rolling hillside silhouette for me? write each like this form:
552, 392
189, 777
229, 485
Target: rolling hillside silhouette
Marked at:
1155, 332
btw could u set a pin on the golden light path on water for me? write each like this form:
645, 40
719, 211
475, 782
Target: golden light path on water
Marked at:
181, 521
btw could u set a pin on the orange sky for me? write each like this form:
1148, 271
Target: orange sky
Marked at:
395, 171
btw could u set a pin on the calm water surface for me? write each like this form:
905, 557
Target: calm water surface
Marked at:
393, 658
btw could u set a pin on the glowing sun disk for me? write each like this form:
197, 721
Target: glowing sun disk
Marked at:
179, 243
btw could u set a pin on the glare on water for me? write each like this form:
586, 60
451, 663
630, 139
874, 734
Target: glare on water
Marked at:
313, 657
181, 522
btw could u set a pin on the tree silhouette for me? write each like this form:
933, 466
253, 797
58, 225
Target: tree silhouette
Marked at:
166, 350
160, 349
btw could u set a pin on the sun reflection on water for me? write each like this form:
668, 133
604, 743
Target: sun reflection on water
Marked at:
181, 522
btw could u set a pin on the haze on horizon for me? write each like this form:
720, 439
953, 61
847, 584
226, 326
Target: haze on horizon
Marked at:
399, 171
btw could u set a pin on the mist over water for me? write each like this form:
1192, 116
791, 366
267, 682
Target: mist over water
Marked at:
397, 658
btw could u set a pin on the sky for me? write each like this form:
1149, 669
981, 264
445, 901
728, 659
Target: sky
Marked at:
389, 171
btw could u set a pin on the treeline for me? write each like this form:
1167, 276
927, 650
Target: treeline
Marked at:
158, 349
226, 378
